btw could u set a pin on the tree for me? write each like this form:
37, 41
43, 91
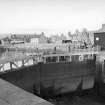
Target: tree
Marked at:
42, 34
70, 35
85, 35
63, 37
77, 32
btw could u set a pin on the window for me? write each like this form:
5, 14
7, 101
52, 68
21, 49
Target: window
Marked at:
51, 59
97, 38
54, 59
62, 58
81, 58
68, 58
48, 59
85, 57
90, 56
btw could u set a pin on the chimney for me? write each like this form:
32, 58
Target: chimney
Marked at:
103, 26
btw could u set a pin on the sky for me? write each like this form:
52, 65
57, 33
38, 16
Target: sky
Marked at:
50, 16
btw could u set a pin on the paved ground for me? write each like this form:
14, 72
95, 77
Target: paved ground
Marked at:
12, 95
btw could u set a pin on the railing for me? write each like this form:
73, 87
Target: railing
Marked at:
26, 53
44, 47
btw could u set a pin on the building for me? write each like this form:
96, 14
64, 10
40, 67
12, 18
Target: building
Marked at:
57, 38
99, 37
30, 38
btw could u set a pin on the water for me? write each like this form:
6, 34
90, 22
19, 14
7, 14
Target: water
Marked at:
83, 98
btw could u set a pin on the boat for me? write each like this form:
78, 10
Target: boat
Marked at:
63, 73
56, 73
